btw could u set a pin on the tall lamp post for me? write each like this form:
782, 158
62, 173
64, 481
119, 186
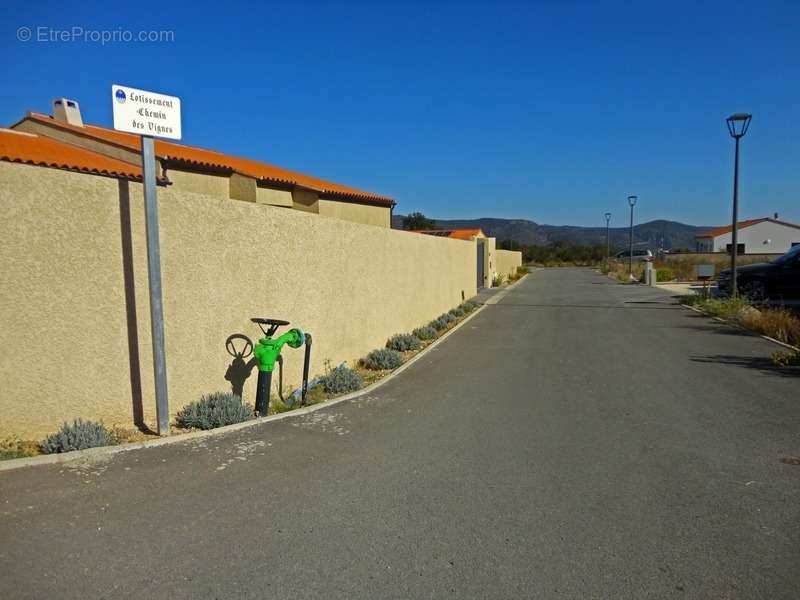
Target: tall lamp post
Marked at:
632, 202
738, 124
608, 239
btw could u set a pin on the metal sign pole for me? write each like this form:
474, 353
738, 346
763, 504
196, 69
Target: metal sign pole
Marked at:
154, 279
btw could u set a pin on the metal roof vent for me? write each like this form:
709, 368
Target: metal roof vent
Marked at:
67, 111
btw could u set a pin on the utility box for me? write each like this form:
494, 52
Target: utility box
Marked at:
704, 271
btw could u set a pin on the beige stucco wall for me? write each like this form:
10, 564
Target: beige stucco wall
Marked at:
74, 313
274, 197
507, 261
305, 200
242, 188
367, 214
199, 183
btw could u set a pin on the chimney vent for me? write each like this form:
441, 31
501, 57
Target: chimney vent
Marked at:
67, 111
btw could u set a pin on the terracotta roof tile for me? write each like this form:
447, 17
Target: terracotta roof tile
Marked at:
201, 157
455, 234
16, 146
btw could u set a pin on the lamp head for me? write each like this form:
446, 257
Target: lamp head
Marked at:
608, 217
738, 124
632, 200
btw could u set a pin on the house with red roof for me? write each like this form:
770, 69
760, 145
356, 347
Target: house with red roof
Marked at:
768, 235
63, 140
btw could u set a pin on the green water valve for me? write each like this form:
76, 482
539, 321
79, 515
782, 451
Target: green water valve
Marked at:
268, 351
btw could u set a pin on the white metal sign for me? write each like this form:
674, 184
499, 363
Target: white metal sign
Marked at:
146, 113
705, 271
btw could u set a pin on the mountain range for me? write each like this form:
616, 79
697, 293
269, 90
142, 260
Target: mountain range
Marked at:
653, 234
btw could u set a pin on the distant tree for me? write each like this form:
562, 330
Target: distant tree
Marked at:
561, 252
509, 245
416, 221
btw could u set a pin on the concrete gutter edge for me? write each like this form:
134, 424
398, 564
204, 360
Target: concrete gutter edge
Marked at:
737, 326
49, 459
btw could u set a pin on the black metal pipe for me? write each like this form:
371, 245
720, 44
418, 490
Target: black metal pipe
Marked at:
263, 392
630, 248
279, 360
307, 359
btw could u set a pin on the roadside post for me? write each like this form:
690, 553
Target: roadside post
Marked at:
704, 274
738, 124
631, 202
650, 277
151, 115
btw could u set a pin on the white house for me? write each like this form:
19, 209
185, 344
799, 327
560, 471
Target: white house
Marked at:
756, 236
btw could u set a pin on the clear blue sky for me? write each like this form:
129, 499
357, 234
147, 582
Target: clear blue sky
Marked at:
553, 111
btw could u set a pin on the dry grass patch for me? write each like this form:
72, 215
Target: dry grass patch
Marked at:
777, 323
619, 271
14, 447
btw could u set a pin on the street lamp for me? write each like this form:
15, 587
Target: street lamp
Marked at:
632, 202
737, 127
608, 242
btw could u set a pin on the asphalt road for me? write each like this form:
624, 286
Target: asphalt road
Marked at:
579, 439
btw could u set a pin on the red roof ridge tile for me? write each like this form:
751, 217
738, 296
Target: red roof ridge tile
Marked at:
217, 159
26, 148
717, 231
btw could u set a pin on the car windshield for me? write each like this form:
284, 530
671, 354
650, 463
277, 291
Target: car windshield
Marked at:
791, 255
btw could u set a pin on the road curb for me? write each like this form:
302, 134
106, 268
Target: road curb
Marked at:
737, 326
91, 453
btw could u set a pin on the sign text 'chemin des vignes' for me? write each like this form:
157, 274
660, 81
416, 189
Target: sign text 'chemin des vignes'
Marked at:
146, 113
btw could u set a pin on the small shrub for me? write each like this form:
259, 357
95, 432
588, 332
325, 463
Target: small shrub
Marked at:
438, 324
469, 306
497, 280
727, 308
786, 359
341, 380
518, 274
425, 333
447, 317
457, 312
78, 435
214, 410
404, 342
278, 406
665, 274
382, 359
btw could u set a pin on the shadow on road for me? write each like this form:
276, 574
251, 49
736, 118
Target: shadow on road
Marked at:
720, 328
749, 362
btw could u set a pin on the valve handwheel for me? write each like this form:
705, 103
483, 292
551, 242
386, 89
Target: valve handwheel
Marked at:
273, 325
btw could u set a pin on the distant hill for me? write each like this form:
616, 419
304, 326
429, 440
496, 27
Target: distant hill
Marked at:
655, 234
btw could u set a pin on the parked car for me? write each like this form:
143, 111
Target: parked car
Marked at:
638, 255
776, 281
